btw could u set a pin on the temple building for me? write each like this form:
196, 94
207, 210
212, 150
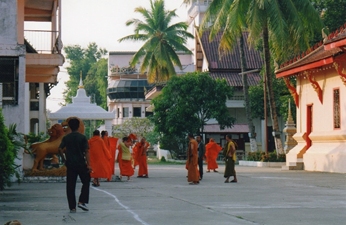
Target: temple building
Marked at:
319, 93
29, 60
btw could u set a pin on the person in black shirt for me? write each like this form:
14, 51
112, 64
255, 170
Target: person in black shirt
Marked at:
76, 158
201, 152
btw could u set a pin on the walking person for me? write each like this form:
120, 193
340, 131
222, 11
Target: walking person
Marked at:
76, 158
212, 150
201, 152
192, 161
100, 159
230, 158
142, 148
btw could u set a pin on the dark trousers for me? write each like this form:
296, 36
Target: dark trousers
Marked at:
71, 180
200, 167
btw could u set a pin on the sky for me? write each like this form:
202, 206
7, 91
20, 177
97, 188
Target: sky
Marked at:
102, 22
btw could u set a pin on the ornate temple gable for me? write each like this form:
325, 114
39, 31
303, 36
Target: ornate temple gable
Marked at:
331, 53
339, 68
314, 84
292, 90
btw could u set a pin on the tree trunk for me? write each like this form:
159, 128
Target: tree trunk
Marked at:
270, 92
253, 143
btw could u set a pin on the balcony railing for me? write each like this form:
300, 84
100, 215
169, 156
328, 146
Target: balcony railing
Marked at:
44, 41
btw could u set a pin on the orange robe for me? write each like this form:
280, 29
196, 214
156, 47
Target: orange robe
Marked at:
112, 148
212, 150
142, 159
99, 158
192, 162
125, 164
135, 155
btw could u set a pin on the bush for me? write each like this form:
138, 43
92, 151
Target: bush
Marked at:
262, 157
8, 154
255, 156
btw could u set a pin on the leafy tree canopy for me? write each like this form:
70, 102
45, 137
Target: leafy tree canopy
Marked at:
187, 102
332, 12
281, 95
93, 68
135, 125
162, 40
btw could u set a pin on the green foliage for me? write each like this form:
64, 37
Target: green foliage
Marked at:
135, 125
96, 83
274, 157
87, 62
8, 153
262, 157
332, 13
153, 137
163, 159
187, 102
281, 98
176, 145
158, 55
255, 156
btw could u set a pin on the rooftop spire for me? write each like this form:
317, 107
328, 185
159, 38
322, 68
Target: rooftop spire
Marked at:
80, 86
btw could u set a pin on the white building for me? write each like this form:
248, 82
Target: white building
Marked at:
127, 87
29, 61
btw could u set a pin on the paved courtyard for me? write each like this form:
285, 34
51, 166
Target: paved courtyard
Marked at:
262, 196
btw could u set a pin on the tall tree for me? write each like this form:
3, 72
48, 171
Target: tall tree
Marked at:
187, 102
215, 20
332, 13
85, 61
281, 25
96, 82
158, 55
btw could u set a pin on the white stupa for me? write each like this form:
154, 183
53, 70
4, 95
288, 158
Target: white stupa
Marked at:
82, 108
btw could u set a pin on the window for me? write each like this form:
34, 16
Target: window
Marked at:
9, 80
137, 112
125, 112
336, 108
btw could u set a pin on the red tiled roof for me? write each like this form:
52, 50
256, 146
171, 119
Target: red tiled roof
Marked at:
215, 128
231, 60
314, 56
235, 80
337, 35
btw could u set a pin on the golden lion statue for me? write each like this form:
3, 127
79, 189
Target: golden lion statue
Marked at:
51, 145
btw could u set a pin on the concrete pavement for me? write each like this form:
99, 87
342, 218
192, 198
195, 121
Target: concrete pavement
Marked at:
262, 196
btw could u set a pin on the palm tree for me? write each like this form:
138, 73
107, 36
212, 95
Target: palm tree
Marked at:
162, 41
219, 15
280, 25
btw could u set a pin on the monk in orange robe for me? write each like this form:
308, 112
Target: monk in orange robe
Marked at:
99, 158
124, 158
135, 155
192, 161
212, 150
142, 148
113, 143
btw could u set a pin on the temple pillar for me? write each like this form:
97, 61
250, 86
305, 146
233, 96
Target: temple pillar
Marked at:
290, 129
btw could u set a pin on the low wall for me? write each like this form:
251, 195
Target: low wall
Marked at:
261, 164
